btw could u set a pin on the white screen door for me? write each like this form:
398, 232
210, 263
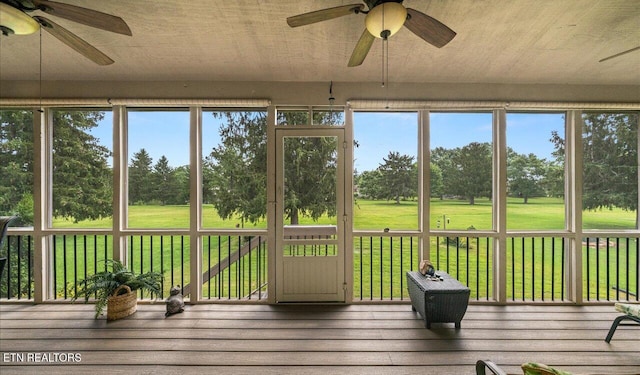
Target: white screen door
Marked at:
310, 212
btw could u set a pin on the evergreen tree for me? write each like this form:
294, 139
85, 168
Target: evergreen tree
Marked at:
236, 177
16, 164
235, 171
182, 174
165, 188
82, 178
140, 178
610, 144
610, 160
310, 177
399, 179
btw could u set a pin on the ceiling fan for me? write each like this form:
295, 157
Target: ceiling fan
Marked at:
620, 54
384, 18
14, 19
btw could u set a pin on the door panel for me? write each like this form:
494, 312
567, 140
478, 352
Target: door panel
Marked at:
310, 208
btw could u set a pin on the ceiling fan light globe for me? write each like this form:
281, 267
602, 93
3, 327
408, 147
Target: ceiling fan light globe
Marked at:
385, 19
16, 20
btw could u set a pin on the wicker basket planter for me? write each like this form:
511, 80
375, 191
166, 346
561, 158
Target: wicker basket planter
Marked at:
121, 305
116, 289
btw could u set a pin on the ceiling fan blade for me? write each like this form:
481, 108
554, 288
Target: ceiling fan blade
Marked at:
362, 49
84, 16
428, 28
73, 41
620, 54
323, 15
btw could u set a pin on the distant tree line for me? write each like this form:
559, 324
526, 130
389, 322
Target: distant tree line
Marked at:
610, 172
464, 172
159, 183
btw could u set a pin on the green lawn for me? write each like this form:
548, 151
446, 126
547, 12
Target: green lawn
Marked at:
538, 214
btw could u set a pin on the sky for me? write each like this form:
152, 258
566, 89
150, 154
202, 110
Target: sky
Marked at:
377, 133
380, 133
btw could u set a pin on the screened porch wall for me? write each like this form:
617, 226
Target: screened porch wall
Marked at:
588, 266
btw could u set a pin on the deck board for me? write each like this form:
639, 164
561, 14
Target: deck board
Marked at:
315, 339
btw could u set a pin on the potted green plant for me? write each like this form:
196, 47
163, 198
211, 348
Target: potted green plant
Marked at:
116, 289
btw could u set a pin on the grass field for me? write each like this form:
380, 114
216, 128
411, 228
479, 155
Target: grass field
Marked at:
538, 214
534, 268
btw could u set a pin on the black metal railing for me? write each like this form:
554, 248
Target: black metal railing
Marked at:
16, 281
235, 267
536, 268
610, 268
380, 264
468, 259
74, 258
165, 254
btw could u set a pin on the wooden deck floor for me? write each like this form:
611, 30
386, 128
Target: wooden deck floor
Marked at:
310, 339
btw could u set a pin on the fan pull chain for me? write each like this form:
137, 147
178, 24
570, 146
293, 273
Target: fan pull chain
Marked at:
384, 39
382, 78
386, 69
385, 61
40, 75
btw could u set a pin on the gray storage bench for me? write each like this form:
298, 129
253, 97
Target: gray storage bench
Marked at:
438, 301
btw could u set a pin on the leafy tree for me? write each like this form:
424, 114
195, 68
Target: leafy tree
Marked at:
398, 177
525, 174
140, 180
471, 173
610, 160
208, 180
553, 181
82, 178
16, 164
370, 184
554, 178
165, 187
442, 158
610, 144
437, 183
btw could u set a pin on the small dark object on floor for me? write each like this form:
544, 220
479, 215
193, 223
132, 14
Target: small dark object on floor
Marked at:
175, 302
